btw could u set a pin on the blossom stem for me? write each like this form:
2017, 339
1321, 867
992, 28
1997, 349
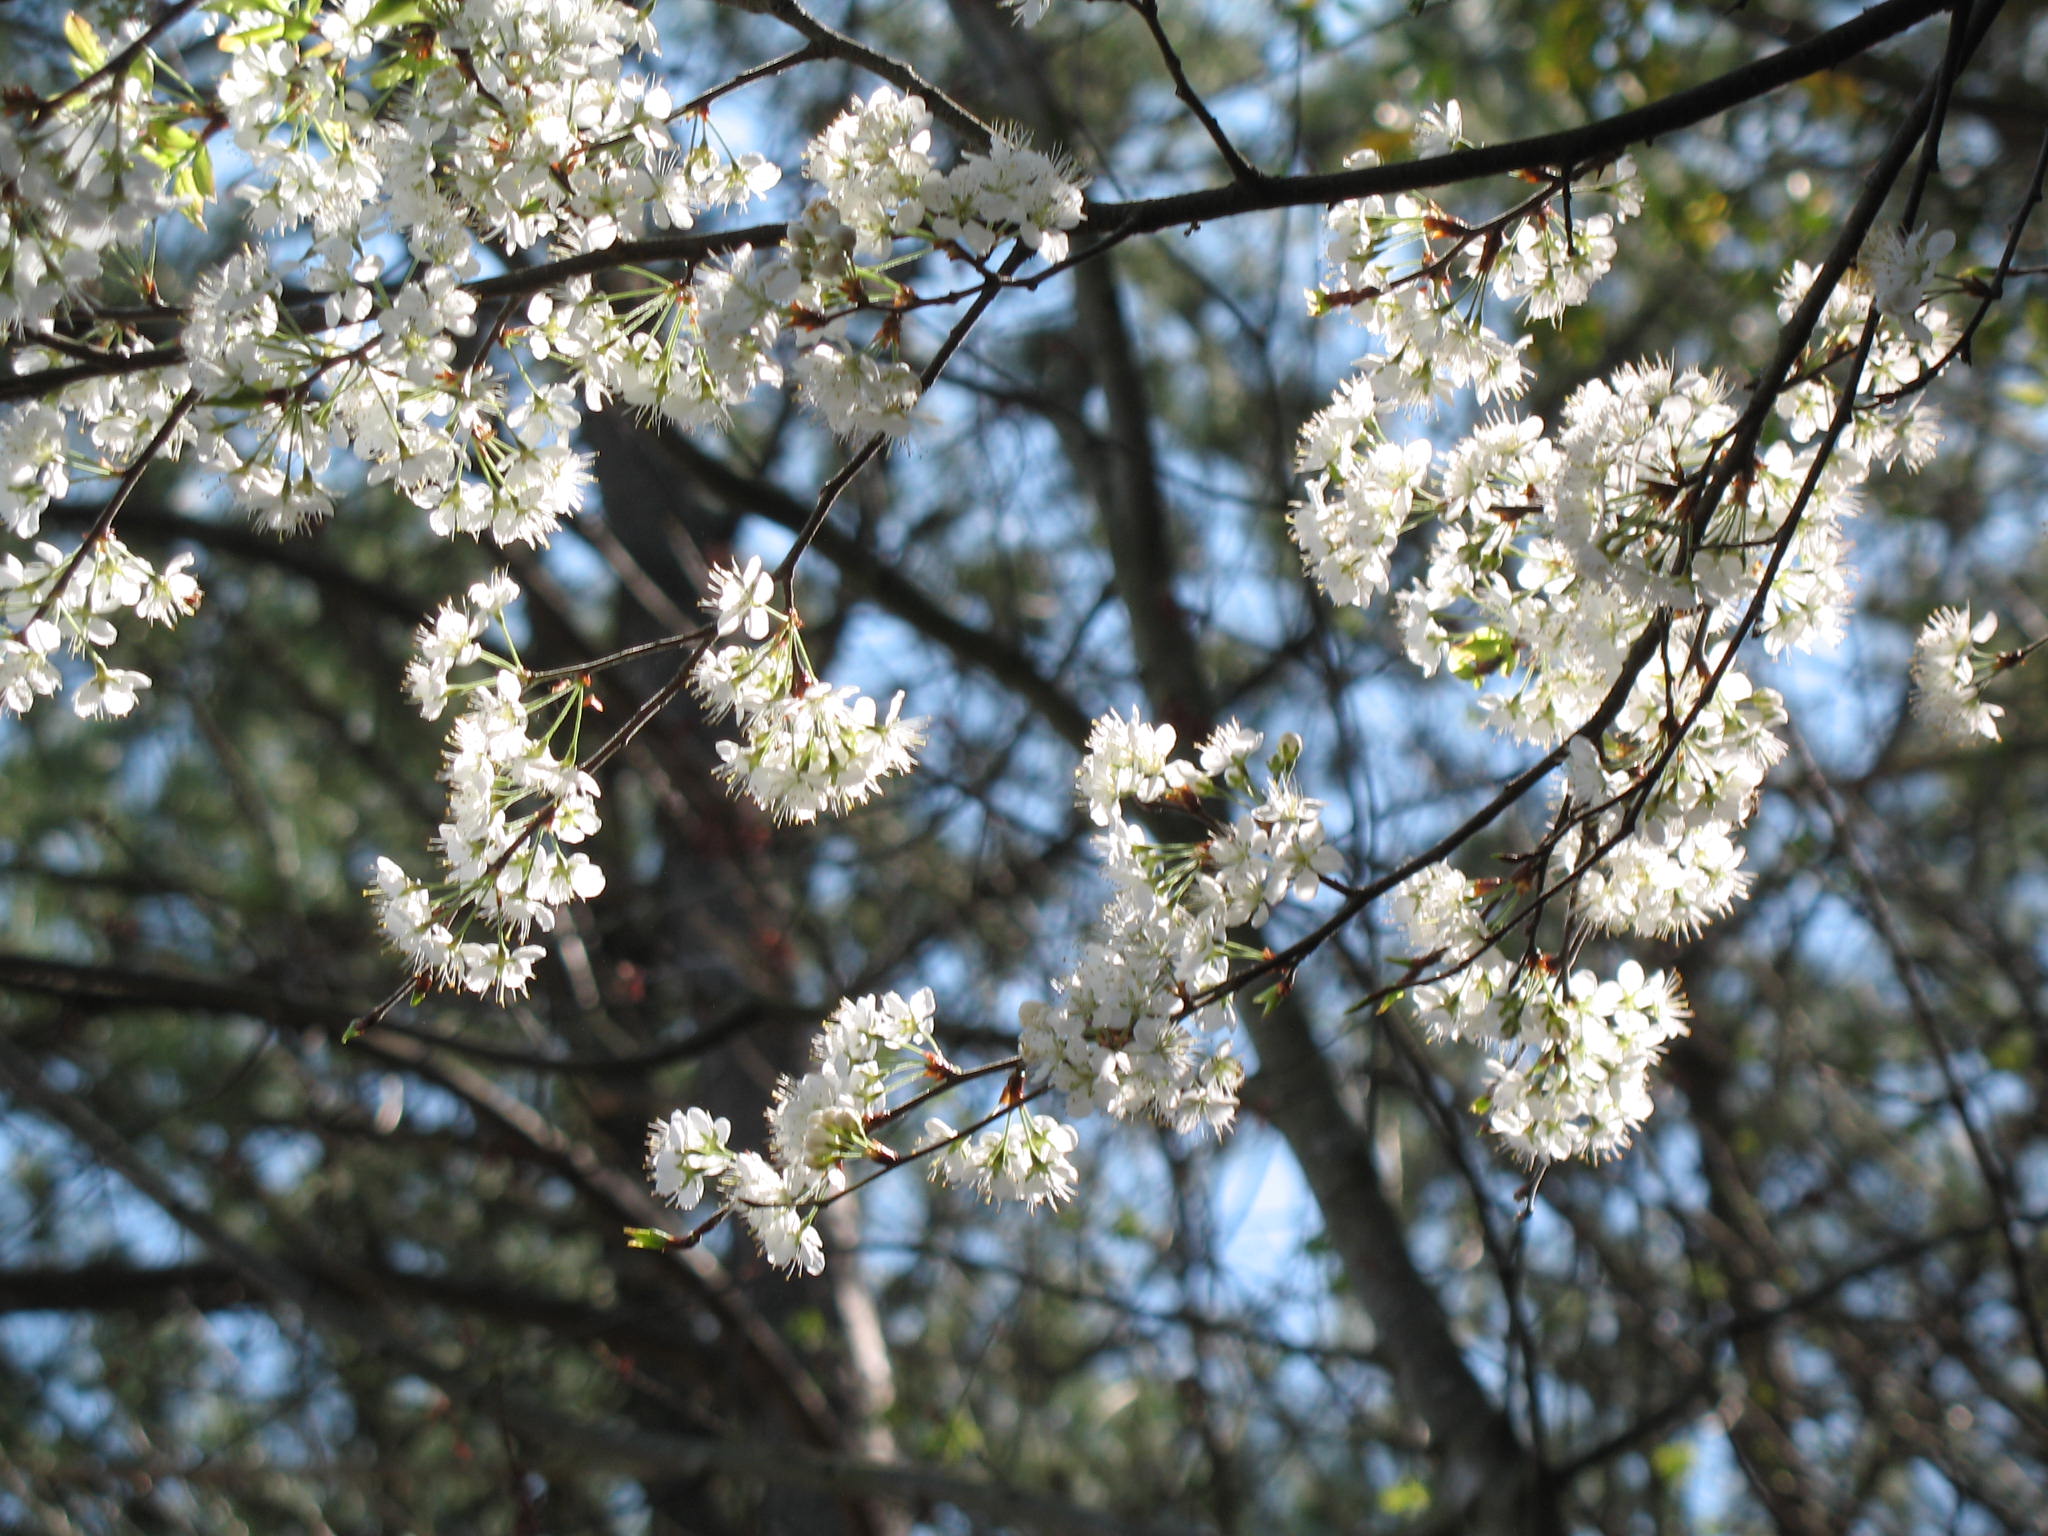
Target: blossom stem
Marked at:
104, 523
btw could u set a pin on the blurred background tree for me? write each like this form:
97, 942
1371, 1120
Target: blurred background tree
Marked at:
253, 1279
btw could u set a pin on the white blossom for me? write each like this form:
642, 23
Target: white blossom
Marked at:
1948, 682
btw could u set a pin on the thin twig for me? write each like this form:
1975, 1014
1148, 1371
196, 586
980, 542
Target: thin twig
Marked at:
1994, 290
104, 523
838, 45
1240, 169
118, 64
1997, 1179
830, 492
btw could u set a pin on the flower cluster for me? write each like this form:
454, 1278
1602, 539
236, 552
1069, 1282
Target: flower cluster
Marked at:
74, 189
1143, 1024
59, 601
1390, 268
879, 186
1951, 663
805, 746
517, 802
1569, 1057
400, 159
1555, 554
1013, 189
694, 351
871, 1050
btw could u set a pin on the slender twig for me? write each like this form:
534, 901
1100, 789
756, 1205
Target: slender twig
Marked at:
638, 720
1993, 290
1240, 168
621, 657
104, 523
745, 77
830, 41
1954, 53
1996, 1177
117, 65
829, 493
1008, 1107
946, 1084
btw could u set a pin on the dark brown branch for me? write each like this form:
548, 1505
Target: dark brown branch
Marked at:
117, 988
1589, 145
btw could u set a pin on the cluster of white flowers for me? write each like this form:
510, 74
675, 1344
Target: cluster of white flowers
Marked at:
58, 601
805, 746
1553, 556
398, 157
1013, 189
871, 1050
516, 795
519, 126
1414, 274
874, 166
1142, 1024
75, 191
517, 801
871, 164
693, 351
1569, 1057
880, 185
1951, 663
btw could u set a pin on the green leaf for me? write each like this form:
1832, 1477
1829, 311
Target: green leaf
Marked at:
1482, 653
401, 71
396, 13
1672, 1460
237, 41
85, 43
1410, 1496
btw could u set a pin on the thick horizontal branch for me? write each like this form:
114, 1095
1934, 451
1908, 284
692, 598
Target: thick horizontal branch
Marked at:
642, 1453
1591, 144
109, 1287
214, 1285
